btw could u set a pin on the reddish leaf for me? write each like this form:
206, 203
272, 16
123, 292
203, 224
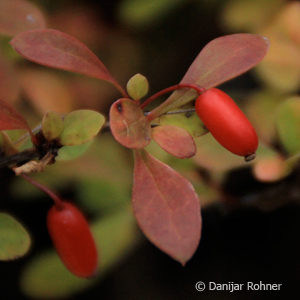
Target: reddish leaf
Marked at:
226, 57
175, 140
56, 49
19, 15
220, 60
166, 207
10, 118
128, 124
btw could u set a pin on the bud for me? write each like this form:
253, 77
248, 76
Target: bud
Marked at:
52, 125
137, 86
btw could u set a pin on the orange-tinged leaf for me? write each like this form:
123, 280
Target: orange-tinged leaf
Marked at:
166, 207
56, 49
9, 86
19, 15
281, 67
128, 124
220, 60
175, 140
46, 91
249, 15
270, 169
289, 19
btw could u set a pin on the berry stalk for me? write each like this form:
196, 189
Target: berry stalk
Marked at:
57, 201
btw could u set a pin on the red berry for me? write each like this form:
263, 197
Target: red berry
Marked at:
227, 123
72, 239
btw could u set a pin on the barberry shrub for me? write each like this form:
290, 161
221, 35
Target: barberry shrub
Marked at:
165, 204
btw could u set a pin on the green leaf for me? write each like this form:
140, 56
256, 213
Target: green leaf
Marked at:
189, 122
14, 239
52, 125
45, 277
6, 144
288, 124
137, 86
144, 12
80, 126
72, 152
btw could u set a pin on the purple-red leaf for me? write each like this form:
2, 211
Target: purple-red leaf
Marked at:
225, 58
220, 60
19, 15
166, 207
175, 140
128, 124
56, 49
10, 118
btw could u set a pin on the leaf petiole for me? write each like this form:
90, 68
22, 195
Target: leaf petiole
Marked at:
152, 116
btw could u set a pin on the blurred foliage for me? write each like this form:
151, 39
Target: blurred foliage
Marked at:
14, 239
158, 38
288, 124
279, 21
274, 108
141, 13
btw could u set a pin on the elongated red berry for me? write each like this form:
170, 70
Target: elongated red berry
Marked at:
227, 123
72, 239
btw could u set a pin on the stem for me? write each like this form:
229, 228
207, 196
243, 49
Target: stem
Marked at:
170, 89
57, 201
33, 139
180, 111
27, 134
20, 157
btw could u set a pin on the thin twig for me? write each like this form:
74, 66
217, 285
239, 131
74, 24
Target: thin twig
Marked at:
26, 135
28, 155
21, 157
